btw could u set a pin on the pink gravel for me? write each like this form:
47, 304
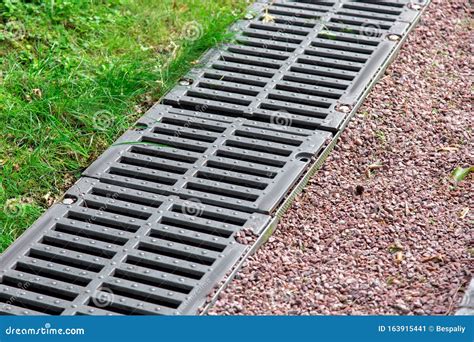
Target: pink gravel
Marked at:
382, 228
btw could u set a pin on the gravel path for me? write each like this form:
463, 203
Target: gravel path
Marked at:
382, 228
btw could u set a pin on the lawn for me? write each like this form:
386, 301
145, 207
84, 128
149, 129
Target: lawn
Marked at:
75, 74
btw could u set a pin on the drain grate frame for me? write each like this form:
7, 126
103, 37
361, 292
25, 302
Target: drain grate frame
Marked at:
289, 65
303, 78
158, 256
243, 164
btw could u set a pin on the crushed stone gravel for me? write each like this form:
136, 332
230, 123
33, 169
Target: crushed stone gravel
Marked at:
382, 228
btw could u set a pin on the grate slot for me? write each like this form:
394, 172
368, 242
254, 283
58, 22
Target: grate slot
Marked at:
182, 144
80, 245
203, 125
231, 178
168, 235
184, 132
233, 154
250, 60
309, 89
166, 265
219, 216
164, 280
273, 36
374, 7
294, 21
41, 268
126, 289
67, 257
150, 201
185, 222
103, 218
231, 77
158, 164
221, 190
114, 206
367, 15
178, 251
296, 13
41, 285
221, 96
18, 300
318, 6
145, 174
259, 52
250, 70
233, 88
265, 43
359, 21
109, 237
218, 164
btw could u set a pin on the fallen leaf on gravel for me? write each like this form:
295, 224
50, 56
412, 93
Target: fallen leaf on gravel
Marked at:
464, 213
395, 247
460, 173
375, 166
435, 258
399, 257
448, 149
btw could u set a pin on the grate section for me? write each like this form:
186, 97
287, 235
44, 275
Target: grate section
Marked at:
210, 158
122, 251
297, 60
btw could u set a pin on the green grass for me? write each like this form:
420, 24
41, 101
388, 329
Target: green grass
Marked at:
75, 74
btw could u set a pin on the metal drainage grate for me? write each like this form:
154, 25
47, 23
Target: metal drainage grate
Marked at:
152, 226
231, 163
301, 65
122, 251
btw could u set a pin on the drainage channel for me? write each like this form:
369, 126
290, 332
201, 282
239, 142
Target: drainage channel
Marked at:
155, 225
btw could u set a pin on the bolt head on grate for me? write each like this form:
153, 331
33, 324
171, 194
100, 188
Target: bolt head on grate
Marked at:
394, 37
185, 82
415, 7
344, 109
69, 201
249, 16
